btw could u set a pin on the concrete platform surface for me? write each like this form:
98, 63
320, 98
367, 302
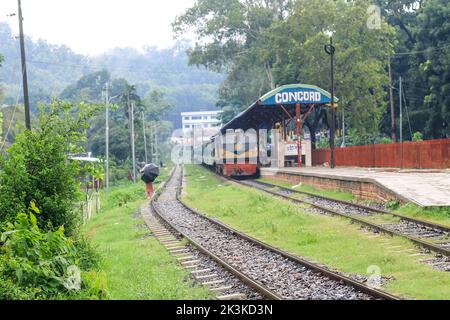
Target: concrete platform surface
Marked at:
427, 188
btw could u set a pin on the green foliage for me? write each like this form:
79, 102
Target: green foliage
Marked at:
392, 204
433, 37
35, 264
282, 42
265, 44
417, 136
55, 70
37, 166
384, 140
323, 143
152, 109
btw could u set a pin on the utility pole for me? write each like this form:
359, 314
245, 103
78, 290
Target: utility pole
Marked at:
26, 99
401, 109
133, 152
107, 136
145, 138
151, 143
156, 146
391, 98
343, 123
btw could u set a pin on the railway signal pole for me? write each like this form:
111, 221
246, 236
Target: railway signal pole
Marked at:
330, 50
26, 99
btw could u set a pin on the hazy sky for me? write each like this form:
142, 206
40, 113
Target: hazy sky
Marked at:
94, 26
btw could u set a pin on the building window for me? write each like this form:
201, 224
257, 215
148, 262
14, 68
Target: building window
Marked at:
187, 126
196, 118
187, 118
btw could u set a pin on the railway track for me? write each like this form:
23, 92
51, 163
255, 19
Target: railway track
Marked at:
271, 272
205, 271
430, 236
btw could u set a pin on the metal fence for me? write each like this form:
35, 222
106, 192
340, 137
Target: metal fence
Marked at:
431, 154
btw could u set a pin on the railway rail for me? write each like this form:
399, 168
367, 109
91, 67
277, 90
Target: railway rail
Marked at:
430, 236
205, 271
275, 274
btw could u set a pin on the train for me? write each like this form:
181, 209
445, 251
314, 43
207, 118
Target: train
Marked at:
232, 155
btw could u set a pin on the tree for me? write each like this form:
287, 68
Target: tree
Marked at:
433, 38
264, 44
53, 68
88, 88
1, 100
37, 167
231, 39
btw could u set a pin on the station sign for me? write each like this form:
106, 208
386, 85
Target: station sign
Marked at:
296, 94
291, 149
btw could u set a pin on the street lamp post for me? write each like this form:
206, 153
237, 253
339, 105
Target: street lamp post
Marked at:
330, 50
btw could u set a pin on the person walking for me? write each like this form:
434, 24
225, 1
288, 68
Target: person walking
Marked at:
149, 173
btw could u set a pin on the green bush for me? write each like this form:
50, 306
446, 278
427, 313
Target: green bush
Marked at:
11, 291
37, 167
46, 265
417, 136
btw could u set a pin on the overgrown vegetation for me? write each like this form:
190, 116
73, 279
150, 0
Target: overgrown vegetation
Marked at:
122, 239
42, 255
37, 167
46, 265
261, 45
333, 241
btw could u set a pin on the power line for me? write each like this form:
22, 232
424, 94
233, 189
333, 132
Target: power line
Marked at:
423, 51
95, 66
12, 119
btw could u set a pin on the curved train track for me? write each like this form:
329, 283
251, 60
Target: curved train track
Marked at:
430, 236
271, 272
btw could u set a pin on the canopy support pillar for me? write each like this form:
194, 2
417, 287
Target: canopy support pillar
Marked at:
299, 134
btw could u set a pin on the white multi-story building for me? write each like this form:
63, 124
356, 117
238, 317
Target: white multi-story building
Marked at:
199, 127
202, 119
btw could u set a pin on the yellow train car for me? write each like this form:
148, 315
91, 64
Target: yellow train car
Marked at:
232, 155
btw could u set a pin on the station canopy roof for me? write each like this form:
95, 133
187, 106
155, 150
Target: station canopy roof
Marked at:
278, 104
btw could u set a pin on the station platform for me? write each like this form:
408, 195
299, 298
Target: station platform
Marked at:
426, 188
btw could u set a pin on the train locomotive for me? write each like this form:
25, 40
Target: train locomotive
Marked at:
234, 154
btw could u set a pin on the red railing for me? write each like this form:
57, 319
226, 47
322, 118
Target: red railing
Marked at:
432, 154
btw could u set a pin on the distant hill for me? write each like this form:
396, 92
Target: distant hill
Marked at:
52, 68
